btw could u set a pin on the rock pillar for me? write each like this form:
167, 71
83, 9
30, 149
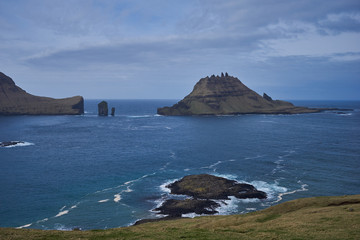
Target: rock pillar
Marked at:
103, 109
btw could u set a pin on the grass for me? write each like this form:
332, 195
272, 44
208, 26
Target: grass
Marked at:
308, 218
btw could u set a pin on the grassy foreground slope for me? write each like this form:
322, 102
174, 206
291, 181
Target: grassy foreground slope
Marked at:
308, 218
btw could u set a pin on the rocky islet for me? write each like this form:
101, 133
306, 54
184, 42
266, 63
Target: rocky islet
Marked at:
227, 95
204, 191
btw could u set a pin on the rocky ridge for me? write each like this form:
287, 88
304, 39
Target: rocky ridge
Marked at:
227, 95
16, 101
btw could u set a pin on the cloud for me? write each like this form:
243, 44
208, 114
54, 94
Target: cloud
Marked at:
338, 23
181, 40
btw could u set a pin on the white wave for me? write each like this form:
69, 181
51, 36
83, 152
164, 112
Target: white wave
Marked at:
250, 209
190, 215
117, 198
104, 190
62, 213
140, 116
159, 202
169, 128
271, 189
163, 187
128, 189
142, 177
20, 144
24, 226
228, 206
173, 155
344, 114
61, 227
213, 165
165, 166
102, 201
187, 169
249, 200
128, 184
258, 156
42, 220
302, 189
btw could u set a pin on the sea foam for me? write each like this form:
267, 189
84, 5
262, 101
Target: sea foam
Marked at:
62, 213
24, 226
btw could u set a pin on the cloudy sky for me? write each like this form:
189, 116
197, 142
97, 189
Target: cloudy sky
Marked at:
158, 49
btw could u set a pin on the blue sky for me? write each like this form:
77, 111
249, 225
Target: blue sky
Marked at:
152, 49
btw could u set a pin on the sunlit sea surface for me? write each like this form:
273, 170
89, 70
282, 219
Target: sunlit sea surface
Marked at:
93, 172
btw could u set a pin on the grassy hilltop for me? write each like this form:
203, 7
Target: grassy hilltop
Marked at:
308, 218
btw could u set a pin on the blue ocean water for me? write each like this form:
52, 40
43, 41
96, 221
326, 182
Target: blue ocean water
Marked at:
93, 172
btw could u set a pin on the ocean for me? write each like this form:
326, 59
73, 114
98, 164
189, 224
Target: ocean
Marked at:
93, 172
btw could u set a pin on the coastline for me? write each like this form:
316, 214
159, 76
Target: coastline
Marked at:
335, 217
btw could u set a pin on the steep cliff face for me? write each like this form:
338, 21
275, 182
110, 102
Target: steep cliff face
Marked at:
222, 95
15, 101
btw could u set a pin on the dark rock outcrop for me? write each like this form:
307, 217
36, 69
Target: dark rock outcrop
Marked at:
15, 101
175, 208
11, 143
113, 111
205, 186
103, 109
205, 192
226, 95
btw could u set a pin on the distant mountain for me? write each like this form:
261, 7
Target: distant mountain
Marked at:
226, 95
15, 101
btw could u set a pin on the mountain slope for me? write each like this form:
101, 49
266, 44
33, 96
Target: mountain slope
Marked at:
222, 95
15, 101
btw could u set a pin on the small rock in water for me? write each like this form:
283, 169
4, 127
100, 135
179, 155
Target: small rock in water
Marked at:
103, 109
113, 111
11, 143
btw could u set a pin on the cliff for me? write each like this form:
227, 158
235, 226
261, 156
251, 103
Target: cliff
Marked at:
15, 101
227, 95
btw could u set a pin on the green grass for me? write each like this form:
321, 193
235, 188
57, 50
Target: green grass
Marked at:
309, 218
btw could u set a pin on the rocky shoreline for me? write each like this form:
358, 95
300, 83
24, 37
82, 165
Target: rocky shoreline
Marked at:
203, 192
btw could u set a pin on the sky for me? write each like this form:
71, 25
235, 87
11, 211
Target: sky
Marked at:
159, 49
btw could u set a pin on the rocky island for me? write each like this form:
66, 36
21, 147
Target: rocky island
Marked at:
16, 101
227, 95
204, 192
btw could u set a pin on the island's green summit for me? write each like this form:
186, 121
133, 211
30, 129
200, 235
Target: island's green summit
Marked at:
223, 95
15, 101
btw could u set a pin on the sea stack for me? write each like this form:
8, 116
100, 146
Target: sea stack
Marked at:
15, 101
112, 111
103, 109
227, 95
